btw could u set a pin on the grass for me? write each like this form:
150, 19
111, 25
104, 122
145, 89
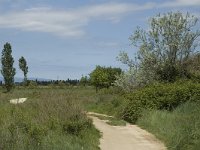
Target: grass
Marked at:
179, 129
106, 101
111, 120
54, 118
49, 119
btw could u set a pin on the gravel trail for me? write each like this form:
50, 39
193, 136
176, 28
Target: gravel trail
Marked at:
129, 137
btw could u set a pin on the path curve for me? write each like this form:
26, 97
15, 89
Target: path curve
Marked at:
129, 137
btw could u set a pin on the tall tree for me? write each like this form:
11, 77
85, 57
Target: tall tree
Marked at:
8, 71
171, 40
23, 66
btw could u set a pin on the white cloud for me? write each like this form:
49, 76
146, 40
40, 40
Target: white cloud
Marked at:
71, 23
67, 23
180, 3
44, 20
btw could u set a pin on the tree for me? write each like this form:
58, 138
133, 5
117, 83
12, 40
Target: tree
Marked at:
103, 77
8, 71
163, 50
23, 66
84, 80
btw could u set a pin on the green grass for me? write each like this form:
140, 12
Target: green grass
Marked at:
106, 102
179, 129
51, 118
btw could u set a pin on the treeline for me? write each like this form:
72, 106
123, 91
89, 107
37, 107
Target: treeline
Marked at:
72, 82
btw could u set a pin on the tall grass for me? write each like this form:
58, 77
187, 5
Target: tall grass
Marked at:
179, 129
49, 119
106, 101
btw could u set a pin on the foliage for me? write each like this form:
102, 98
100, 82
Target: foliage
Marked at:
163, 50
193, 66
179, 129
84, 80
130, 80
23, 66
159, 96
8, 71
103, 77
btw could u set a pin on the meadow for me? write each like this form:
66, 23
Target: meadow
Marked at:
51, 118
55, 117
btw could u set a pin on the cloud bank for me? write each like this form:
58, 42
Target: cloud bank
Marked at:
71, 23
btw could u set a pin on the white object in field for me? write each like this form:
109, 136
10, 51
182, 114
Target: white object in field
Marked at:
18, 100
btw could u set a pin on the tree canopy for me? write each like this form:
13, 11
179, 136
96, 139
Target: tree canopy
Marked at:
103, 77
23, 66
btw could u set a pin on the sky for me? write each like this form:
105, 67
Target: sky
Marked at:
63, 39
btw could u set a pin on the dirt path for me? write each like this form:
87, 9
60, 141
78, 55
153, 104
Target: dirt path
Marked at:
129, 137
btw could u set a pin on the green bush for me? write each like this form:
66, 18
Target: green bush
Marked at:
159, 96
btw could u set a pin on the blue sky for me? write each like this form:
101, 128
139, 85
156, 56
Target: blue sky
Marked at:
68, 38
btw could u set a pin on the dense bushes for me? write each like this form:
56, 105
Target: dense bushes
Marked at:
159, 96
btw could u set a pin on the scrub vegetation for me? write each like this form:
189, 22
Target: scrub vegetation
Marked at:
161, 89
49, 119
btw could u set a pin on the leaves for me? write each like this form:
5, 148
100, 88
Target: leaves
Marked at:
103, 77
163, 49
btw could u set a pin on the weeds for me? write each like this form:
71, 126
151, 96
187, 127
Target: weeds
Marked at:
49, 119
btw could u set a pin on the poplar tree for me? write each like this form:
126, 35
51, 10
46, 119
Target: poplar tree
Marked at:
23, 66
8, 71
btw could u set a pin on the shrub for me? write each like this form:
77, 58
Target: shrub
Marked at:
159, 96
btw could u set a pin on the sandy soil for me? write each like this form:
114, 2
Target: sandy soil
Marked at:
129, 137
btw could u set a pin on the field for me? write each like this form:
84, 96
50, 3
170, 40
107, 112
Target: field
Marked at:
55, 118
51, 118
